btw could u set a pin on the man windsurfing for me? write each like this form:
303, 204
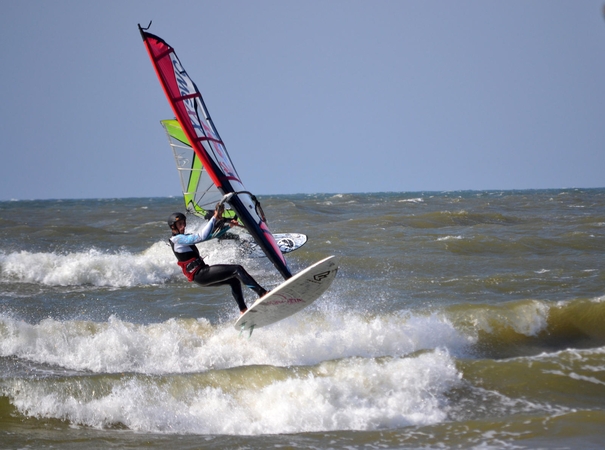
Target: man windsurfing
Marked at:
195, 269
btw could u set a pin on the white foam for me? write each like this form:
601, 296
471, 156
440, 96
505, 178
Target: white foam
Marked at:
358, 372
350, 394
182, 346
121, 269
411, 200
154, 265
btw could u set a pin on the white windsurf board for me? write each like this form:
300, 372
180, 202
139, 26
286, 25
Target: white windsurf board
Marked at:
287, 242
291, 296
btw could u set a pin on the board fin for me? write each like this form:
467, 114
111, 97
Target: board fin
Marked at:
243, 328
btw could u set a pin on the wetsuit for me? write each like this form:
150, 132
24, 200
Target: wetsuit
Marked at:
195, 269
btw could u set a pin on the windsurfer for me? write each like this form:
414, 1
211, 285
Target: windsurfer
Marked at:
194, 267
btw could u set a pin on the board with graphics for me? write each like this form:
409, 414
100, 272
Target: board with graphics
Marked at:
291, 296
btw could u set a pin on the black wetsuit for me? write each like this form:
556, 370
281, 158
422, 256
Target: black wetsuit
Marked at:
195, 269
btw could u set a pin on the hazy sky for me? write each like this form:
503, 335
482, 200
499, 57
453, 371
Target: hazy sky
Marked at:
309, 96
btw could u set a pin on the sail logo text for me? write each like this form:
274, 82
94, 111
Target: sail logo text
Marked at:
186, 87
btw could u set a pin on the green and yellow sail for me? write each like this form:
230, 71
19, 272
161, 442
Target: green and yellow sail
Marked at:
199, 192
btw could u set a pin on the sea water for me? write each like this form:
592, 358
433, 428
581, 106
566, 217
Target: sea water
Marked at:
468, 319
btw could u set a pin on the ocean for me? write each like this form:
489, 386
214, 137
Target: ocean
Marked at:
471, 319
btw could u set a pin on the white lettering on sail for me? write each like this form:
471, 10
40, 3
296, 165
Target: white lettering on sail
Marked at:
186, 87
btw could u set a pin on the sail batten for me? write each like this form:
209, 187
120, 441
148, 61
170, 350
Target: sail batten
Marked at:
200, 133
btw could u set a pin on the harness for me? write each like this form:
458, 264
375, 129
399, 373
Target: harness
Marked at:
191, 266
189, 262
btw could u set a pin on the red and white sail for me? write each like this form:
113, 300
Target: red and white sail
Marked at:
191, 112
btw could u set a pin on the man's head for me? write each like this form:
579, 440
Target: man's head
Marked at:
177, 222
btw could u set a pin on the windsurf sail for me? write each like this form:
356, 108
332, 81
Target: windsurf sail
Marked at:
199, 192
193, 116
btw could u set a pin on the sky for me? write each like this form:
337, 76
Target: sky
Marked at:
330, 96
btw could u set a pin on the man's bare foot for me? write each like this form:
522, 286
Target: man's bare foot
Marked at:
242, 312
